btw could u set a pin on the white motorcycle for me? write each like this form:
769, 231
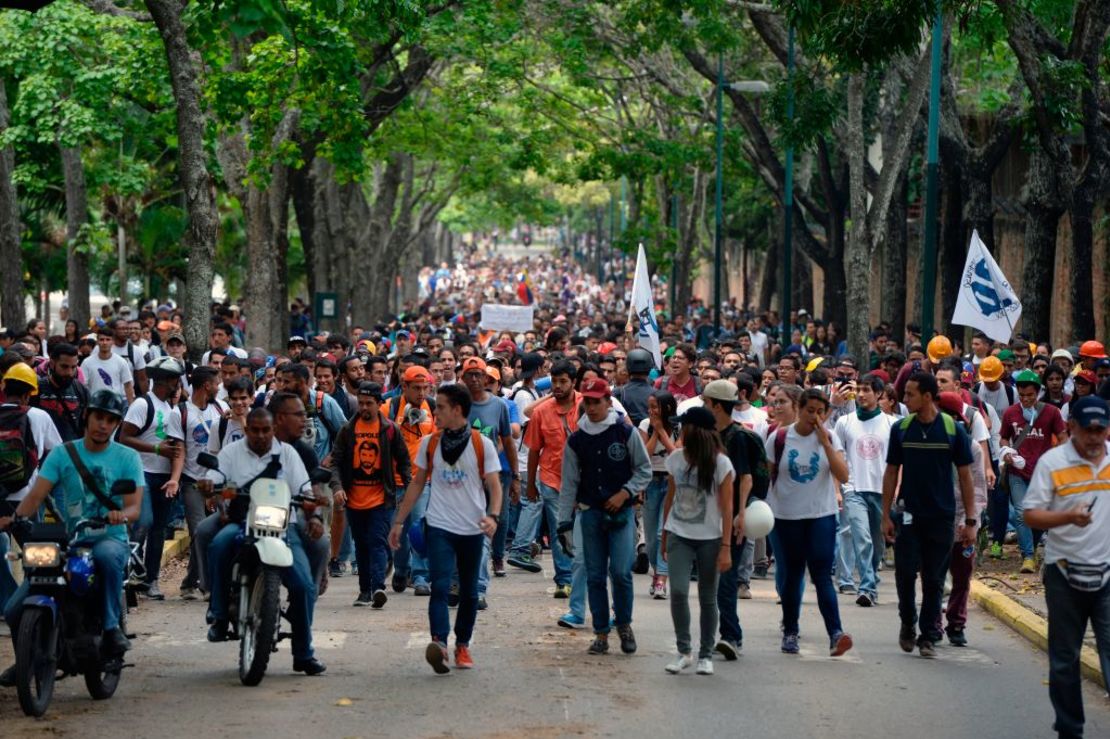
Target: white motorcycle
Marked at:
255, 585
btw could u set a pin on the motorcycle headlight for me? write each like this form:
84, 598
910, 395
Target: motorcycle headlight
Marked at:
269, 517
42, 555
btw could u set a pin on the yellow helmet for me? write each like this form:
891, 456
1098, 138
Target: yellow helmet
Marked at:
991, 369
939, 347
21, 372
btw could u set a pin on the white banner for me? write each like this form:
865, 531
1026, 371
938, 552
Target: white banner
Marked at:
986, 301
641, 312
508, 317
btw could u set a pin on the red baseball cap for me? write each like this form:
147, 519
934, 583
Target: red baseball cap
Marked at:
595, 387
505, 347
606, 347
1088, 377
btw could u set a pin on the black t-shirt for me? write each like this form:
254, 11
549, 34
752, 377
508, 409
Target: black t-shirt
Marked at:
927, 453
736, 449
307, 455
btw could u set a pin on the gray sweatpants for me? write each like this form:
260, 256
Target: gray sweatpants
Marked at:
681, 554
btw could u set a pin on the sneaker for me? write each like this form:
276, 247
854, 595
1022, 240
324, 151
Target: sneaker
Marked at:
866, 600
499, 568
453, 597
682, 662
1028, 565
7, 678
535, 550
526, 562
760, 572
1011, 537
744, 591
400, 583
364, 599
654, 585
907, 636
189, 594
628, 639
482, 604
790, 643
562, 592
926, 649
152, 592
436, 654
705, 666
462, 658
354, 568
571, 621
600, 645
217, 632
956, 637
114, 643
839, 643
640, 566
310, 666
847, 589
421, 588
378, 599
729, 650
335, 568
661, 590
996, 551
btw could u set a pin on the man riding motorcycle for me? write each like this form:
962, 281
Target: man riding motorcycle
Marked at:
105, 462
257, 455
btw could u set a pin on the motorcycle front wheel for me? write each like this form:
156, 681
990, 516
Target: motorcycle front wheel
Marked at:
103, 678
36, 661
260, 626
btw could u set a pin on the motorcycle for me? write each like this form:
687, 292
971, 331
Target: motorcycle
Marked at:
255, 599
62, 619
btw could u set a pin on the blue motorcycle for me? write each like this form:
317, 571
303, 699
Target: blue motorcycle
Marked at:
62, 619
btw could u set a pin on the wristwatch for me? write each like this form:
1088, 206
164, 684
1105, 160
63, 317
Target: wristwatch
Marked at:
971, 522
495, 516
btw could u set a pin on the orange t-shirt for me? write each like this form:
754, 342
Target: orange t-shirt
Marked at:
547, 436
366, 490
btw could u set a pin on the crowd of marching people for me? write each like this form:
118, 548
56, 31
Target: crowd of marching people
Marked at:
459, 453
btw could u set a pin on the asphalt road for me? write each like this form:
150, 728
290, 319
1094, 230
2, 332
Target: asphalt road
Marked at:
535, 679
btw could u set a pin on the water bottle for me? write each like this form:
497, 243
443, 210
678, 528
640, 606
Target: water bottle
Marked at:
969, 551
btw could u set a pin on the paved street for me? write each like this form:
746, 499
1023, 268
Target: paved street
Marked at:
535, 678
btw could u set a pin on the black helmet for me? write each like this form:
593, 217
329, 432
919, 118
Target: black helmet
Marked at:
107, 401
639, 362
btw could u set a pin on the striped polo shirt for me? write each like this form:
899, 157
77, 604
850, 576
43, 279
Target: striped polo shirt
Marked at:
1063, 479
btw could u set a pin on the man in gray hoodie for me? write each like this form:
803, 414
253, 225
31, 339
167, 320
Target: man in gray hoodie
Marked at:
605, 466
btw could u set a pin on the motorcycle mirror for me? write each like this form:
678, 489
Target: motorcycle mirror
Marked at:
319, 476
123, 487
208, 461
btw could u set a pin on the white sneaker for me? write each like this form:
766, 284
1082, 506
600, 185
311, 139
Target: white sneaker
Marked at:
705, 667
683, 662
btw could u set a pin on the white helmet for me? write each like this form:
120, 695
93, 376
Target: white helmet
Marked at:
166, 366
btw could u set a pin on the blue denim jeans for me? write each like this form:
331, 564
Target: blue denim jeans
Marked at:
609, 547
577, 603
1018, 487
798, 544
506, 523
1069, 610
746, 563
445, 549
370, 533
110, 558
8, 584
845, 551
151, 527
727, 589
865, 516
532, 515
654, 496
407, 562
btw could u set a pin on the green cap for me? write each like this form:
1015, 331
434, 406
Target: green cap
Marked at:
1027, 377
1005, 356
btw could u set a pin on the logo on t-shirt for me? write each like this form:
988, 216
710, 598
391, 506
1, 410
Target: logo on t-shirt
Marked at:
689, 504
200, 433
869, 447
104, 376
803, 473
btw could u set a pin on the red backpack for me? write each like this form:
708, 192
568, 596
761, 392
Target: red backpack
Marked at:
19, 455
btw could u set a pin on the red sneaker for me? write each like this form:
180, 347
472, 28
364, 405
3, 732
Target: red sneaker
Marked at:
462, 658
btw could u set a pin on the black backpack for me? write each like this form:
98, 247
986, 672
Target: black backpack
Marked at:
18, 451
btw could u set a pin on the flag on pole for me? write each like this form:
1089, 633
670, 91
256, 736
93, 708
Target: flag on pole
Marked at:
985, 300
524, 289
641, 312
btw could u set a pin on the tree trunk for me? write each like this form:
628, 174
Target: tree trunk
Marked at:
801, 283
857, 256
77, 215
1044, 208
1080, 283
202, 221
894, 241
12, 311
304, 208
953, 248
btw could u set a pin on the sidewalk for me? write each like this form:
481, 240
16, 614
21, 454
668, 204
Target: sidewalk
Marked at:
1018, 600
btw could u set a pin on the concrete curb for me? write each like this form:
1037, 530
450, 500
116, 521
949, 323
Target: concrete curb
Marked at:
179, 547
1029, 625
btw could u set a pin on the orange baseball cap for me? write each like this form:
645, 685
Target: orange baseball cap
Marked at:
416, 373
494, 373
473, 363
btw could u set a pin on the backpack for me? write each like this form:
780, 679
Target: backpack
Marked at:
1011, 396
18, 452
475, 441
147, 422
757, 459
780, 447
949, 426
332, 432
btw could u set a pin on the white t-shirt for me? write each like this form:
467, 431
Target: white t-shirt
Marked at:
45, 436
106, 374
233, 432
805, 487
136, 356
199, 425
759, 346
695, 512
753, 419
457, 500
865, 444
166, 425
659, 456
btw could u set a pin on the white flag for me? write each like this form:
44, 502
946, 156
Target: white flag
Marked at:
641, 312
986, 301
